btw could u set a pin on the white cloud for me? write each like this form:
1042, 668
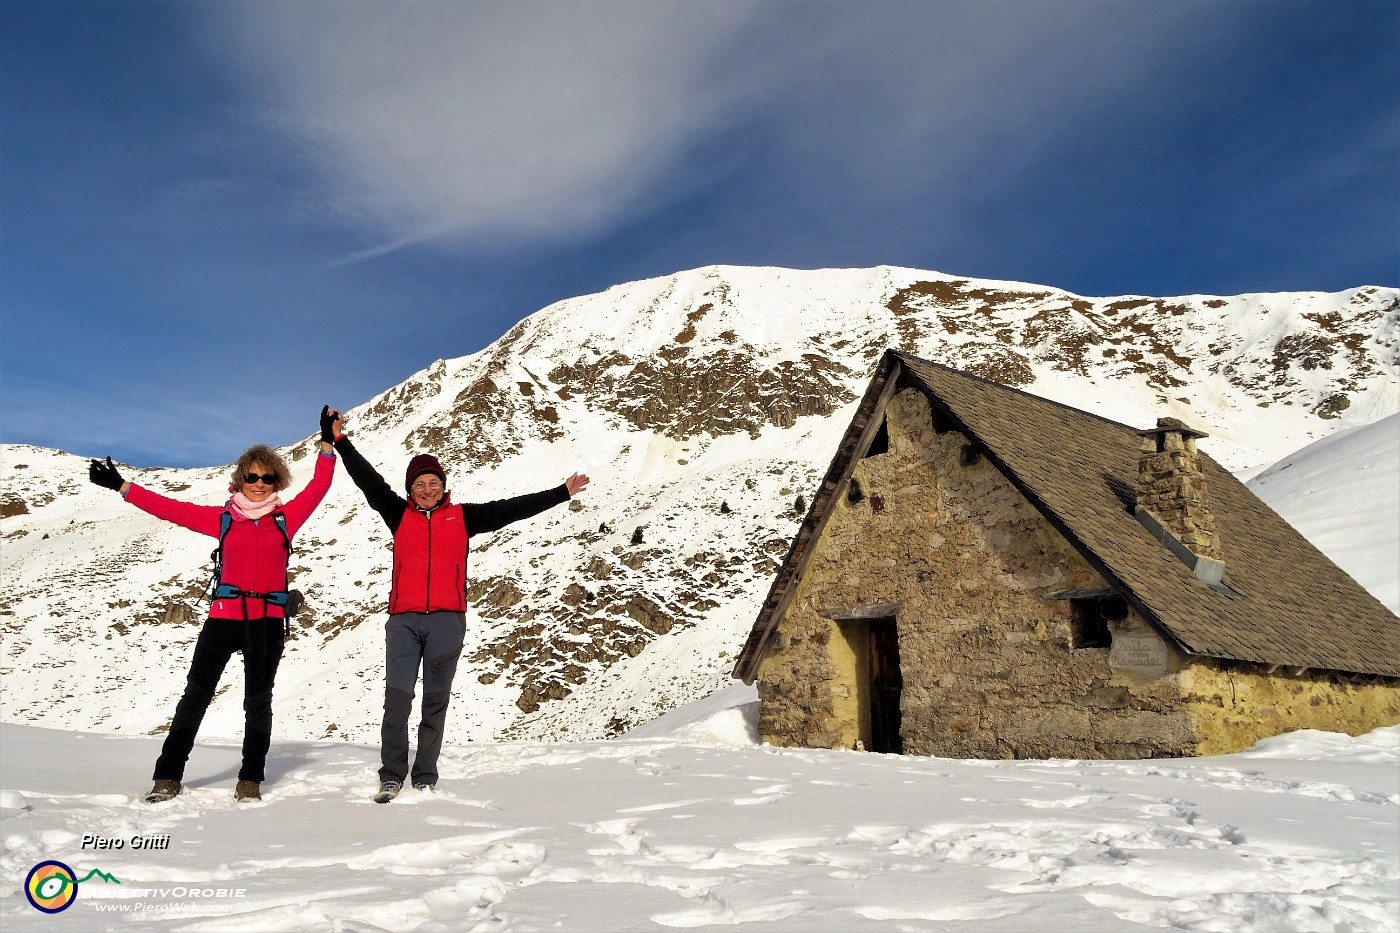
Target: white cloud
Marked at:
537, 120
470, 118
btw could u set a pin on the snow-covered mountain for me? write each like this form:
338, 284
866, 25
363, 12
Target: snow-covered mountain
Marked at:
1343, 493
704, 405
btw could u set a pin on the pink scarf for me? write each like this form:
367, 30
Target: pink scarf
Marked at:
244, 509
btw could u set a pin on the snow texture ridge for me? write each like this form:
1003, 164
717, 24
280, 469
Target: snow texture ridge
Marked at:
673, 831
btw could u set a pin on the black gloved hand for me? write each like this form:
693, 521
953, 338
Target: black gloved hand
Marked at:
105, 474
327, 420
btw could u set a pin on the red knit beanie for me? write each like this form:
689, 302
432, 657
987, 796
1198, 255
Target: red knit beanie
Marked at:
423, 463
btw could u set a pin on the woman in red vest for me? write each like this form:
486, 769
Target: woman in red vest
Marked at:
246, 614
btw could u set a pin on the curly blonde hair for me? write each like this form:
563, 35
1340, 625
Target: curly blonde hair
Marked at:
269, 458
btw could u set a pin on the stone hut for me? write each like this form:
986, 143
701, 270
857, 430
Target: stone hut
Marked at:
987, 574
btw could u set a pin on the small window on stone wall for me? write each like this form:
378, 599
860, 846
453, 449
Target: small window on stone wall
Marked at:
1113, 608
1088, 627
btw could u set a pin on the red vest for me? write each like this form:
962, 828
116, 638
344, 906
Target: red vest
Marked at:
430, 561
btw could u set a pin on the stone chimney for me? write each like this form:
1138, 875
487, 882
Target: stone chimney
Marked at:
1173, 489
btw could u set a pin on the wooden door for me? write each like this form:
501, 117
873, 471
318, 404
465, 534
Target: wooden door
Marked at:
886, 683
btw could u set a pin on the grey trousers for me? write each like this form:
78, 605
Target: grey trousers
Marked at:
431, 641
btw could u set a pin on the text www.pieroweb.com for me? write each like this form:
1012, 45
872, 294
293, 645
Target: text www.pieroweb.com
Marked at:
144, 907
189, 900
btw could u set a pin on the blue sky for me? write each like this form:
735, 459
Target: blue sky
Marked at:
216, 217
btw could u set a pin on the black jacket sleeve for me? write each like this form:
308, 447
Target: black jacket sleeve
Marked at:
489, 516
380, 496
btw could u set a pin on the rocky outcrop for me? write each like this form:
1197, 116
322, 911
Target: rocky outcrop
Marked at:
703, 405
682, 393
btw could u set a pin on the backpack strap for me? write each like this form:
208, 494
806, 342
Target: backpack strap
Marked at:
281, 521
217, 555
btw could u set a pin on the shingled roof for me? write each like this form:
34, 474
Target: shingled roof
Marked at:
1284, 602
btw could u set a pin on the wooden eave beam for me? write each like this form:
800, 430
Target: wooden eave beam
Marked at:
849, 452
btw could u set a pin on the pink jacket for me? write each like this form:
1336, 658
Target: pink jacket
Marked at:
255, 557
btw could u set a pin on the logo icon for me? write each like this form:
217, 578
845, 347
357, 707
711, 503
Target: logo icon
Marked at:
52, 886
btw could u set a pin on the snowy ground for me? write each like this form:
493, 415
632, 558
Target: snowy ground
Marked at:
689, 823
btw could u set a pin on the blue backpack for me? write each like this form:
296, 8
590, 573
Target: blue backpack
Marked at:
289, 600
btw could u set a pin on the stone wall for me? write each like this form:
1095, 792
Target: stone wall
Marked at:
1236, 705
976, 579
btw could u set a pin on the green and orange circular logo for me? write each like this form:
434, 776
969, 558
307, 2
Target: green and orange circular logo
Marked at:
51, 887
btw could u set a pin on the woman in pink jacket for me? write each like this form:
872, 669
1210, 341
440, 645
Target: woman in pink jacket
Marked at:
246, 613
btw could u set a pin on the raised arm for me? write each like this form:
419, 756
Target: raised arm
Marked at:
305, 502
482, 517
203, 519
378, 493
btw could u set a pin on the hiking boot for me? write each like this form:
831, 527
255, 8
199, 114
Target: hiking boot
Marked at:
247, 790
425, 788
388, 791
164, 790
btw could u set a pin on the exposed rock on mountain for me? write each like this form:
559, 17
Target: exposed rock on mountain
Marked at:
705, 406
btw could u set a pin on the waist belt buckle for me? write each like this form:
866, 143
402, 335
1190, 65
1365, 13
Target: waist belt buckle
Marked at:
229, 591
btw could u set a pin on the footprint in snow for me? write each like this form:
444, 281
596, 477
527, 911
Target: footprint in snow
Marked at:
763, 795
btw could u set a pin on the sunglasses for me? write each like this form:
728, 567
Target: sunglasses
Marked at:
269, 479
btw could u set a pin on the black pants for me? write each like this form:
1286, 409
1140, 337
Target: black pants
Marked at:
260, 640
